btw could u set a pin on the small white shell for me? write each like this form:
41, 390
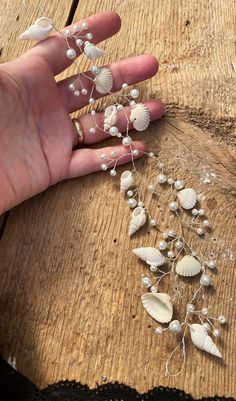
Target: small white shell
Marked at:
187, 198
126, 180
138, 220
188, 266
92, 52
140, 117
39, 30
103, 81
110, 117
202, 340
151, 256
159, 306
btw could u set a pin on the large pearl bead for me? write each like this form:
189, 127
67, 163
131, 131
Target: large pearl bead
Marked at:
132, 203
205, 280
146, 282
113, 173
173, 206
161, 178
179, 184
134, 93
70, 53
159, 331
79, 42
113, 131
162, 245
211, 264
175, 326
127, 141
222, 319
190, 308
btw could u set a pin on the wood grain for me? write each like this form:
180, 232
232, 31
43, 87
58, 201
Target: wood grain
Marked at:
70, 286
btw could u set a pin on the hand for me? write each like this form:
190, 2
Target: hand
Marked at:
36, 133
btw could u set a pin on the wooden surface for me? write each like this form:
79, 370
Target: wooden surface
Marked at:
70, 286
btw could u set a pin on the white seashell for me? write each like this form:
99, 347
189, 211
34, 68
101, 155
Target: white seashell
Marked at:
140, 117
159, 306
104, 81
151, 256
39, 30
202, 340
187, 198
188, 266
138, 220
110, 117
126, 180
92, 52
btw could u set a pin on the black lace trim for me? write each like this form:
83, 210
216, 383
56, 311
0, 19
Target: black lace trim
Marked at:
16, 387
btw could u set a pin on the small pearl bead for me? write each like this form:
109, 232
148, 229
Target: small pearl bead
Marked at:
113, 172
103, 156
194, 212
153, 222
161, 178
72, 87
179, 245
92, 130
206, 326
201, 212
190, 308
153, 268
89, 36
211, 264
91, 100
179, 184
205, 280
75, 28
85, 25
134, 93
127, 141
119, 107
216, 333
133, 104
153, 288
170, 181
135, 152
125, 85
113, 153
113, 131
150, 188
104, 167
175, 326
93, 112
200, 231
119, 135
70, 53
151, 154
165, 234
162, 245
206, 223
173, 206
204, 311
146, 282
132, 203
68, 33
84, 91
170, 254
171, 233
140, 204
76, 93
95, 69
159, 331
222, 319
130, 193
79, 42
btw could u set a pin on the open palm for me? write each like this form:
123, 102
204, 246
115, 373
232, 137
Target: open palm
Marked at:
37, 136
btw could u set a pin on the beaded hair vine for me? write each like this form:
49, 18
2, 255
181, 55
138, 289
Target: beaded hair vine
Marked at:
173, 256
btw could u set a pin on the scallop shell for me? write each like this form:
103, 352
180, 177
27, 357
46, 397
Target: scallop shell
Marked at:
188, 266
159, 306
126, 180
92, 52
187, 198
39, 30
110, 117
104, 81
151, 256
202, 340
138, 220
140, 117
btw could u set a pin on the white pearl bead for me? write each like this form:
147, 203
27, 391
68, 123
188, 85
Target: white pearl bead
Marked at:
75, 28
130, 193
113, 131
76, 93
113, 153
153, 288
150, 154
104, 167
140, 204
119, 107
146, 282
84, 91
159, 331
135, 152
173, 206
175, 326
134, 93
133, 104
201, 212
162, 245
72, 87
89, 36
170, 254
127, 141
165, 234
171, 233
103, 156
200, 231
79, 42
194, 212
91, 100
113, 172
205, 280
179, 184
93, 112
190, 308
92, 130
119, 135
70, 53
153, 268
95, 69
211, 264
161, 178
216, 333
179, 245
206, 223
222, 319
170, 181
150, 188
132, 203
125, 85
206, 326
68, 33
153, 222
204, 311
85, 25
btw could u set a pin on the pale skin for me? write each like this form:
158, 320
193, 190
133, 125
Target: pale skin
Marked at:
37, 137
